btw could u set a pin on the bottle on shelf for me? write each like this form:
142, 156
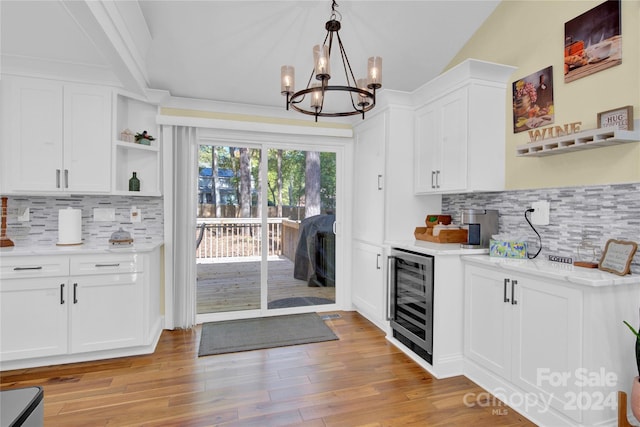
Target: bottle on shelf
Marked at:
134, 183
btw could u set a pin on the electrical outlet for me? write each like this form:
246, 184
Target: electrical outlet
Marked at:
540, 215
23, 214
135, 214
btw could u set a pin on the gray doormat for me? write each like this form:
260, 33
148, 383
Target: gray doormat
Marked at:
267, 332
299, 302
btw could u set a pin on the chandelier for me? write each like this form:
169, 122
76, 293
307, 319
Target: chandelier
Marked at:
361, 92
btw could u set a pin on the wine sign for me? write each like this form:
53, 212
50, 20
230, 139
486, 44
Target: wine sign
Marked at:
554, 131
617, 256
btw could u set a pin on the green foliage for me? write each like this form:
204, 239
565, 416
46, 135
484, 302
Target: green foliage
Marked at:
293, 173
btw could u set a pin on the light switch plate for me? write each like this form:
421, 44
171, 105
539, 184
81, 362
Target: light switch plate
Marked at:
104, 214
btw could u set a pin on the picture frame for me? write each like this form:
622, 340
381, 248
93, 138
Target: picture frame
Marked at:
617, 256
621, 117
532, 101
593, 41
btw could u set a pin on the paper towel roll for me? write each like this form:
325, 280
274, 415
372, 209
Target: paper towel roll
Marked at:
69, 226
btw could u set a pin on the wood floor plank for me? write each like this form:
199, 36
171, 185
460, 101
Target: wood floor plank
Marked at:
359, 380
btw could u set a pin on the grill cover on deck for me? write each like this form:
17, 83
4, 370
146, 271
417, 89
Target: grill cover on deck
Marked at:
315, 255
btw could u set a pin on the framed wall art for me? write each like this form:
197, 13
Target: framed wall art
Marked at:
533, 101
593, 41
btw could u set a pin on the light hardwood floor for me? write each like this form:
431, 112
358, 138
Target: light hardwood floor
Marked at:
359, 380
233, 286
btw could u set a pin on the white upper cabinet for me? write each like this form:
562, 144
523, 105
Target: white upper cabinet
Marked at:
460, 130
56, 138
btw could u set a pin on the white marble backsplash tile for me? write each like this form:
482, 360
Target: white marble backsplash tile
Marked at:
601, 212
42, 227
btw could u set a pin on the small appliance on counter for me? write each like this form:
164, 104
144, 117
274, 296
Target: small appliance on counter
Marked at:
481, 224
439, 229
121, 239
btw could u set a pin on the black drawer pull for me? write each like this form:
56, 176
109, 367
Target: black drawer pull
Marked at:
75, 293
108, 265
27, 268
61, 293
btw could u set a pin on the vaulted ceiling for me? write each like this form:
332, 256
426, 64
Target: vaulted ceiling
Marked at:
230, 51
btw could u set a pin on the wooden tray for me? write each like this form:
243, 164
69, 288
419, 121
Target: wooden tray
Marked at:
445, 236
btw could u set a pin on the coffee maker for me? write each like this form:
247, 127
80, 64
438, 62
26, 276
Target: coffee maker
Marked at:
482, 224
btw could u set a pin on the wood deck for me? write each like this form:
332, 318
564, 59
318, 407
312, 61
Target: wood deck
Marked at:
235, 285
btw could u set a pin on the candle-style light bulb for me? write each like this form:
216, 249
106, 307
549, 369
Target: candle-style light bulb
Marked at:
287, 79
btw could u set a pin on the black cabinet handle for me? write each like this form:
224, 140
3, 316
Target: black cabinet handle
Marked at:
107, 265
27, 268
433, 176
379, 182
506, 282
378, 261
61, 293
513, 295
75, 293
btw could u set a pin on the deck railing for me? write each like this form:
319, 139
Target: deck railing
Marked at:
242, 237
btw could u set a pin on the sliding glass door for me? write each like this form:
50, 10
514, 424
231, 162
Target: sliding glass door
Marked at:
265, 229
302, 196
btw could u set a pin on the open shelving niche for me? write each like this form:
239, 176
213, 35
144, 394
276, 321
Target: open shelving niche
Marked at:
137, 115
584, 140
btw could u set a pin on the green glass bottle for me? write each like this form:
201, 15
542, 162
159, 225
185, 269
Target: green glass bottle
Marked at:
134, 183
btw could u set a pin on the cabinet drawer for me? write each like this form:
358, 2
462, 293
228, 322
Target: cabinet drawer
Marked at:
33, 266
106, 264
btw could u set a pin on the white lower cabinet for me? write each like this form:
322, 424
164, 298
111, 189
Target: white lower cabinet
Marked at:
105, 312
97, 306
524, 330
368, 282
33, 317
554, 350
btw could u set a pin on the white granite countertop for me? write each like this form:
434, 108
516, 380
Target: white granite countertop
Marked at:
431, 248
555, 270
86, 248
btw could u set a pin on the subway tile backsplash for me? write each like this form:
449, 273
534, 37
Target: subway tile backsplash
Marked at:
42, 227
599, 213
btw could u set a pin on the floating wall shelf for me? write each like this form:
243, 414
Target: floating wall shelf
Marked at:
593, 138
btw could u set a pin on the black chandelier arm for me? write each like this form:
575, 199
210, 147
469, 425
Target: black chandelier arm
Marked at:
345, 63
317, 112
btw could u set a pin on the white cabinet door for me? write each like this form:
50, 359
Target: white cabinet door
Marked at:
106, 312
368, 282
487, 320
368, 198
441, 144
60, 137
34, 151
547, 339
427, 149
87, 135
451, 174
33, 317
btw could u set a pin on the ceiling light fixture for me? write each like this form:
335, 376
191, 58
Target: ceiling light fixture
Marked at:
362, 92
